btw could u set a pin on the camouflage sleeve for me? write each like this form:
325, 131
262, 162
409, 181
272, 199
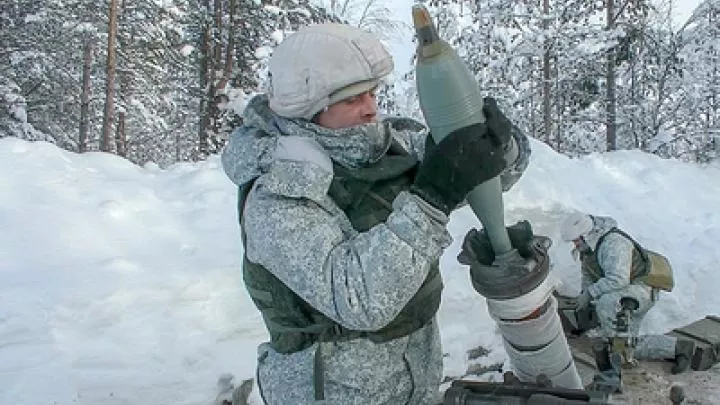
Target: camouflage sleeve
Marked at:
515, 169
360, 280
615, 257
411, 134
245, 153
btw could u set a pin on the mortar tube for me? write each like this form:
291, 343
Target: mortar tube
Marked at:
450, 99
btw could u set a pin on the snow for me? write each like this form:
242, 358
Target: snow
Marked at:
186, 50
122, 284
273, 9
683, 10
277, 36
120, 290
16, 107
31, 18
85, 27
263, 52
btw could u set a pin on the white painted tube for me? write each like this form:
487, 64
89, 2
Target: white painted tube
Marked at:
553, 360
536, 346
545, 328
524, 305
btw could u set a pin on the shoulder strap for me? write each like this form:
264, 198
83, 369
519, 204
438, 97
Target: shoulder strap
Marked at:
637, 246
243, 192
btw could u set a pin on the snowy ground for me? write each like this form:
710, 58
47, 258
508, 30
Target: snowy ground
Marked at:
122, 285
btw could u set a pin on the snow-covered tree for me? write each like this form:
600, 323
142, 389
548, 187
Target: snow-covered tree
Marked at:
244, 31
694, 128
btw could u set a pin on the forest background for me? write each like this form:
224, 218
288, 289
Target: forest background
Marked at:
165, 81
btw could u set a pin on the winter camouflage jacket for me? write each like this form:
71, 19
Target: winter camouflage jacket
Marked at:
615, 254
360, 280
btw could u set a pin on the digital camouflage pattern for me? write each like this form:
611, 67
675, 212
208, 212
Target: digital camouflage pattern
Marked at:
615, 257
360, 280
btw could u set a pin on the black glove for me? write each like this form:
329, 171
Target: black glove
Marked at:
498, 124
476, 247
429, 145
463, 159
509, 274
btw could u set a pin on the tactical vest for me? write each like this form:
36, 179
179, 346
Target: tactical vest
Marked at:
591, 266
365, 195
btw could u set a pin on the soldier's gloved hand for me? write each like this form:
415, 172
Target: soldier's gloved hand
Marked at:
476, 247
499, 125
501, 129
583, 300
456, 165
509, 274
429, 145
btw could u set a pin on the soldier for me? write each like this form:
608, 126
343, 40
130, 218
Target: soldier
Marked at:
343, 226
613, 266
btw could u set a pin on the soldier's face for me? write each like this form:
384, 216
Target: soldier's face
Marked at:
580, 245
352, 111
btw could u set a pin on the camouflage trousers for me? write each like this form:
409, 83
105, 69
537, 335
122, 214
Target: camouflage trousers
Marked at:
651, 347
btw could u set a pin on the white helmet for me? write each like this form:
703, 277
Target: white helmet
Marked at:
323, 64
576, 225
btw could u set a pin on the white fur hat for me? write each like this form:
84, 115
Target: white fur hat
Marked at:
322, 64
576, 225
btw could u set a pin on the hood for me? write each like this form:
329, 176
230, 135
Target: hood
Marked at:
264, 138
250, 149
601, 226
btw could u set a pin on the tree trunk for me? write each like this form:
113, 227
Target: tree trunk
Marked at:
533, 91
560, 104
85, 96
217, 34
106, 140
714, 105
610, 102
547, 121
217, 80
124, 81
120, 138
205, 83
229, 53
215, 70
